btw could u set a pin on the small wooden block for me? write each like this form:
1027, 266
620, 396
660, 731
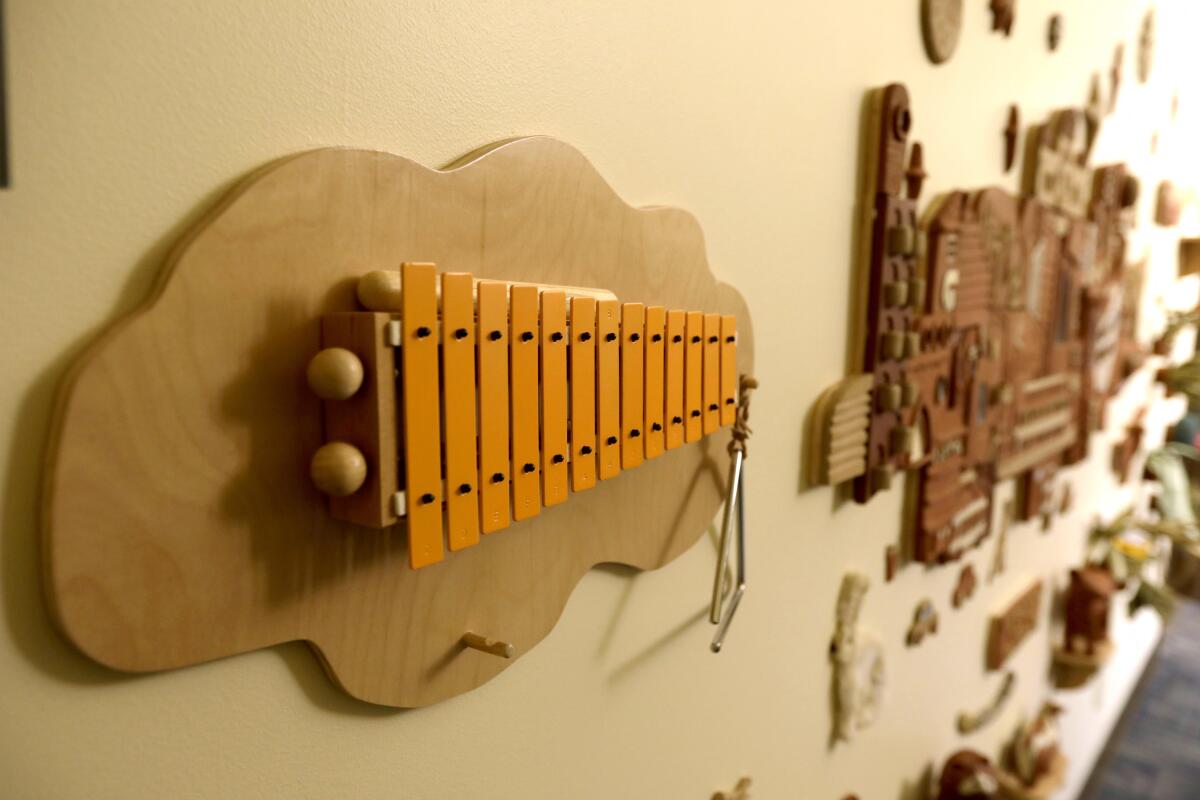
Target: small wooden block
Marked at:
367, 419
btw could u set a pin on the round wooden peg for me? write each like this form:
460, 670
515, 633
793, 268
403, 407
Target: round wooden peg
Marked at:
335, 373
379, 290
338, 469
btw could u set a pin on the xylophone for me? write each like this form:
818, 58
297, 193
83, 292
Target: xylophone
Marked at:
458, 405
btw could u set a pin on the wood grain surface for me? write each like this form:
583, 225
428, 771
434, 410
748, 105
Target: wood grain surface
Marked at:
180, 522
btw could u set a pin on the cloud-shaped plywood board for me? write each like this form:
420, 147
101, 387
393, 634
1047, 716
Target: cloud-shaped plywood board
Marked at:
182, 521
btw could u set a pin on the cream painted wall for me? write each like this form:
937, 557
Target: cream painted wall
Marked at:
131, 117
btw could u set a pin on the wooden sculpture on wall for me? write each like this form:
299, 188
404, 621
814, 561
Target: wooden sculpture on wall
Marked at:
971, 721
1013, 626
1003, 15
989, 336
1037, 758
1085, 645
941, 28
968, 775
479, 431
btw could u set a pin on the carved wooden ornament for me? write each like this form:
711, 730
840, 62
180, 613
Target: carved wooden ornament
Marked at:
995, 359
1013, 626
181, 521
941, 27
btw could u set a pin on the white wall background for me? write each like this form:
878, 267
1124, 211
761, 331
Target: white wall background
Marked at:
130, 117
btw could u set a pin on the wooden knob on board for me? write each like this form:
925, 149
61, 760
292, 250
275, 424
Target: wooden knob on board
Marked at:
335, 373
338, 469
379, 290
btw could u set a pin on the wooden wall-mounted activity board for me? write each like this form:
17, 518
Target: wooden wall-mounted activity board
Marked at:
488, 432
992, 330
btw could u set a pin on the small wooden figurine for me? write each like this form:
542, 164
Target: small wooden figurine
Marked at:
965, 586
1088, 600
968, 775
1037, 756
1085, 644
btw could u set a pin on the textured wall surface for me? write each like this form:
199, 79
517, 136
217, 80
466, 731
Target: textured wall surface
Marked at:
130, 118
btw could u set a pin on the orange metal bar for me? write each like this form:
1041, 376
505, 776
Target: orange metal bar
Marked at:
676, 347
712, 372
652, 433
729, 387
458, 405
523, 382
633, 368
583, 393
608, 387
693, 369
493, 405
554, 397
422, 422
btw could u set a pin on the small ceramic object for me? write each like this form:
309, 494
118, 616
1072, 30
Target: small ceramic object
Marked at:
858, 666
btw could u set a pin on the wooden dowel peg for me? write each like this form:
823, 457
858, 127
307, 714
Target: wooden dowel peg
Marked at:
338, 469
335, 373
486, 645
380, 290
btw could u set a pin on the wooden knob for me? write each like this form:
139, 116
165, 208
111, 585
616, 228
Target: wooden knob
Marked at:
338, 469
335, 373
380, 290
